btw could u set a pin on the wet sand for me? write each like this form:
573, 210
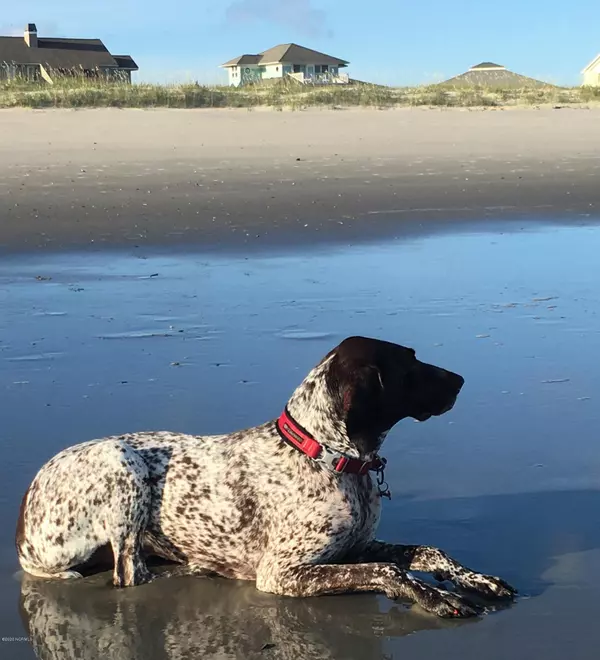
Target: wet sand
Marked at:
508, 481
234, 178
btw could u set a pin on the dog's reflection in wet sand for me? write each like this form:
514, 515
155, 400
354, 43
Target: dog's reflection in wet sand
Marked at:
208, 619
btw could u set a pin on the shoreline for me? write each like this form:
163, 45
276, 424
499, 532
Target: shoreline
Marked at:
231, 179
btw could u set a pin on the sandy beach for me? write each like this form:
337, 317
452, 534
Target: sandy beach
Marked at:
472, 236
239, 177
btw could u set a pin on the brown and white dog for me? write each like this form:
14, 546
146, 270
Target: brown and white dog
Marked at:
289, 504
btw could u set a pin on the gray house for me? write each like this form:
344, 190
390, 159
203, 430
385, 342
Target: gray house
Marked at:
489, 74
46, 58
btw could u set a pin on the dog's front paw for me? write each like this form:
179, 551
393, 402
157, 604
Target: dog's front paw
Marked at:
433, 599
487, 586
447, 604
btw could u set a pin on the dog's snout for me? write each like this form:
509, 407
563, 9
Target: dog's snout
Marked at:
454, 380
448, 379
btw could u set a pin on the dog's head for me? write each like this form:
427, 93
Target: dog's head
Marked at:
374, 384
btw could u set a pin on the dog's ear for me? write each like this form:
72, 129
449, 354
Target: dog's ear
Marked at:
363, 402
358, 389
365, 384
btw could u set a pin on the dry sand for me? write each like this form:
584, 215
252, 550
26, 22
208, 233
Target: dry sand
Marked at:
235, 177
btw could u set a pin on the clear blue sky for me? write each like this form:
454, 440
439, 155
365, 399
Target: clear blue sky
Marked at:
389, 41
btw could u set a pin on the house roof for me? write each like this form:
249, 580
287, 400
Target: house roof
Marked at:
242, 60
488, 74
60, 53
592, 65
291, 53
126, 62
487, 65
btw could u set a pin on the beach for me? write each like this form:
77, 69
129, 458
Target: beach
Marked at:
184, 270
237, 178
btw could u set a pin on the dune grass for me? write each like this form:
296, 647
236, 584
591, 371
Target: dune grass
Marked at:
97, 93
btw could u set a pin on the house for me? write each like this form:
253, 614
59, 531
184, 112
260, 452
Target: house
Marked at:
488, 74
286, 60
591, 73
45, 58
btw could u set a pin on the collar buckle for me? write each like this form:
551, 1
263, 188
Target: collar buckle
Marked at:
330, 458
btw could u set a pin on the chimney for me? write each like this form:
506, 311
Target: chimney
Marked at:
30, 35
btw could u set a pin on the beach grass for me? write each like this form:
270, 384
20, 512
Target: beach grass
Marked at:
80, 92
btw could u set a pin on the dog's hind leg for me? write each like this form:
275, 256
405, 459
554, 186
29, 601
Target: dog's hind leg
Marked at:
55, 575
88, 496
130, 569
129, 519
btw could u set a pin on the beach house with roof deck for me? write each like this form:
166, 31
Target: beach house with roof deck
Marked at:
46, 58
489, 74
286, 61
591, 73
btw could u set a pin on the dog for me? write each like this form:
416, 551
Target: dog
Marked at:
293, 504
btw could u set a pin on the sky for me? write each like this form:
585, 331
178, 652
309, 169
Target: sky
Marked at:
392, 42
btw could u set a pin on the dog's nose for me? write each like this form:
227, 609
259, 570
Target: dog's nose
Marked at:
455, 380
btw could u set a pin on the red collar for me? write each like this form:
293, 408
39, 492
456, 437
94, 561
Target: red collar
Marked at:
299, 438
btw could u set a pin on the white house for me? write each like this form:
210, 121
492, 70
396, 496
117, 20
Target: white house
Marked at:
591, 73
303, 64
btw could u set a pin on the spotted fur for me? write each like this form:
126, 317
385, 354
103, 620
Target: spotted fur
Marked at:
249, 506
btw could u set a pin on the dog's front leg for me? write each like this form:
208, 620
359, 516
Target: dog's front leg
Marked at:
433, 560
387, 578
